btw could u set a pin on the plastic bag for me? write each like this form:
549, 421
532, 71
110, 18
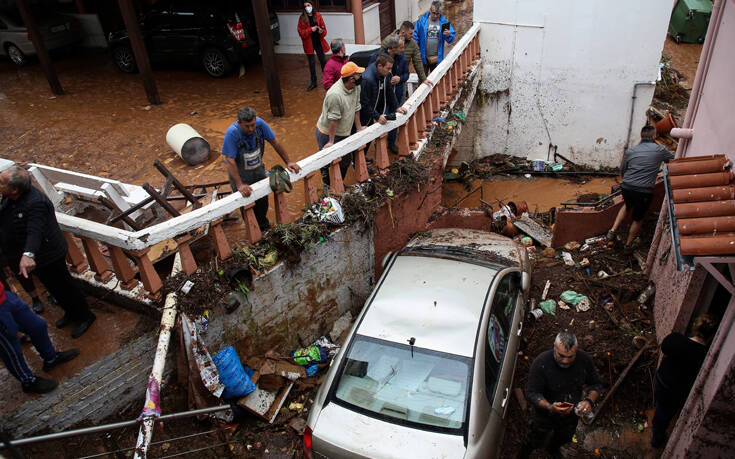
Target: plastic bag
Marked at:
309, 355
232, 374
579, 301
330, 211
548, 306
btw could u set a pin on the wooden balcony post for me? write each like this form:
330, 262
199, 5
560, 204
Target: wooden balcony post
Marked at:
336, 185
251, 226
279, 198
96, 260
123, 270
428, 112
361, 170
403, 147
381, 154
464, 62
188, 263
310, 188
436, 99
454, 78
74, 255
413, 135
443, 91
420, 121
221, 246
476, 42
148, 274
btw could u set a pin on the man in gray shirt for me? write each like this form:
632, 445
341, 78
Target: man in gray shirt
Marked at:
639, 170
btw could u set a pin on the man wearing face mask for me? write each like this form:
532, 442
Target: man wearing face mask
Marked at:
340, 110
411, 51
555, 388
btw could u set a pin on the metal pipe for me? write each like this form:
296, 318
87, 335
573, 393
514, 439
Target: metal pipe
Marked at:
168, 319
106, 427
632, 109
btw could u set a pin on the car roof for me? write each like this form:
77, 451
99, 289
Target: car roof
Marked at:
437, 301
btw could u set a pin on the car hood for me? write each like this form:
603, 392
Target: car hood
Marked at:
341, 432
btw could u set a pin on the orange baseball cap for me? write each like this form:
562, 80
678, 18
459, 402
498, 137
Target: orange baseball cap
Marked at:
350, 69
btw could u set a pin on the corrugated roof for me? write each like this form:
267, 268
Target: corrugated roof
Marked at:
701, 193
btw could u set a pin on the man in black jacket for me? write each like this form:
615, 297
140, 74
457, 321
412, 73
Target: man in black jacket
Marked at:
394, 46
31, 239
555, 387
377, 97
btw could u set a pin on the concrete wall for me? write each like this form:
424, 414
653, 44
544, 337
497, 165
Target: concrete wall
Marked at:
563, 73
97, 392
291, 306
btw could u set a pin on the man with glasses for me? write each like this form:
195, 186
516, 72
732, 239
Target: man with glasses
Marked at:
432, 30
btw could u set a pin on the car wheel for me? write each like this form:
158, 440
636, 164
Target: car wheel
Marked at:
215, 62
16, 55
124, 59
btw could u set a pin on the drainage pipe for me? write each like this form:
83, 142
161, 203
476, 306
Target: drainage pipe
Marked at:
632, 109
152, 395
107, 427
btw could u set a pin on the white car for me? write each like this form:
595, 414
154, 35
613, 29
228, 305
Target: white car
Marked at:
428, 366
57, 30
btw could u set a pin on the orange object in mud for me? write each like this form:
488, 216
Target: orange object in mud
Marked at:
665, 125
700, 180
710, 193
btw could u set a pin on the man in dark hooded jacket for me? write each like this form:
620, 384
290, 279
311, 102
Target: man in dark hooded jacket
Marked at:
377, 97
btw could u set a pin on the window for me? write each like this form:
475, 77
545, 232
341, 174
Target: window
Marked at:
417, 387
498, 328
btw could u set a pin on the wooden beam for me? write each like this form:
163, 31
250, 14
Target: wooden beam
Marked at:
160, 200
139, 50
265, 39
178, 185
43, 57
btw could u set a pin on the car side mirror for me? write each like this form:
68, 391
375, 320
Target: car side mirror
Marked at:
525, 282
386, 259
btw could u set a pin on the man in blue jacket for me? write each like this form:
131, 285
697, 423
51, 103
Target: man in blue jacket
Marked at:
377, 97
399, 75
430, 33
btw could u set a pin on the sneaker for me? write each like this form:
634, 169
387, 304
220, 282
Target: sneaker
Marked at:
311, 86
610, 235
37, 306
61, 357
40, 386
80, 329
63, 322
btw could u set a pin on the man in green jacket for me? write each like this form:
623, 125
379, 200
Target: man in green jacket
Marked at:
411, 51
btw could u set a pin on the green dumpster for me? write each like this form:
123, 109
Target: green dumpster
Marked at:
689, 20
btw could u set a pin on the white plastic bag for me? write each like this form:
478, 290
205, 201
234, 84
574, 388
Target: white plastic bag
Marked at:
331, 211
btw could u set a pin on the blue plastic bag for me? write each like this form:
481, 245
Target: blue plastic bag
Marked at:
311, 370
232, 374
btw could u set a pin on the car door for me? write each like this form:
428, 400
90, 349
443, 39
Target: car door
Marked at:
496, 357
188, 19
158, 29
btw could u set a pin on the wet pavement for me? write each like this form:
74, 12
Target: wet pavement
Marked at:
541, 194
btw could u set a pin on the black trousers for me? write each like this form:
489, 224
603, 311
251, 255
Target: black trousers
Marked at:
668, 404
260, 209
548, 430
59, 283
312, 62
344, 164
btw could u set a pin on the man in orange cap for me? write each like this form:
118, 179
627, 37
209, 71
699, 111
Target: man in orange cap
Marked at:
340, 111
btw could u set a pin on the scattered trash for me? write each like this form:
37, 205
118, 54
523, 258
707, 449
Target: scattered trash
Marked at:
296, 406
203, 323
187, 287
548, 252
546, 289
646, 294
585, 262
537, 313
528, 176
298, 424
592, 241
640, 427
573, 245
585, 247
308, 355
538, 165
579, 301
567, 257
639, 341
548, 306
232, 374
526, 241
602, 274
328, 210
591, 324
562, 305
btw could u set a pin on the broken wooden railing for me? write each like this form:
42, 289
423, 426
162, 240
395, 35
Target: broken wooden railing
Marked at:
415, 128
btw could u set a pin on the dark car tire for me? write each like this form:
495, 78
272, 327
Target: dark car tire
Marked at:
15, 55
124, 59
215, 62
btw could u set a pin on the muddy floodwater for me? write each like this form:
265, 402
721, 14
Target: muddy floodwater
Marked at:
541, 194
684, 58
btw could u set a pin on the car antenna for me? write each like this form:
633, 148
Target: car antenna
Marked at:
411, 342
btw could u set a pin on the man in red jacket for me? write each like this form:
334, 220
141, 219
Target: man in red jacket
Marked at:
333, 70
15, 316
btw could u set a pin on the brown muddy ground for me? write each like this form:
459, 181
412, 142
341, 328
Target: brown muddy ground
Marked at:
684, 58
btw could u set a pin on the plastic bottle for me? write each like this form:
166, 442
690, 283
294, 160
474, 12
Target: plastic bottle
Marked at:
646, 294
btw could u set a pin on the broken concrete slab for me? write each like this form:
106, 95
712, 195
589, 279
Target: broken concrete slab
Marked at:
342, 324
536, 231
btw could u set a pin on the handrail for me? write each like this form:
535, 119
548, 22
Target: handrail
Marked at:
139, 240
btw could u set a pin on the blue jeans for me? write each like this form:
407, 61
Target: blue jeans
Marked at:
15, 316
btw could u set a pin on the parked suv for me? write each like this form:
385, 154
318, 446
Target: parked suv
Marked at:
57, 30
428, 366
216, 34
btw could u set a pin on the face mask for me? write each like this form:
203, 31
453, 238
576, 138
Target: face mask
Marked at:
308, 10
358, 80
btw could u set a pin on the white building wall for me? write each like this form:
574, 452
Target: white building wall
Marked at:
371, 21
562, 73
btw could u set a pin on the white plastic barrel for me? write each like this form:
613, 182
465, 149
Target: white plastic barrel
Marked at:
187, 143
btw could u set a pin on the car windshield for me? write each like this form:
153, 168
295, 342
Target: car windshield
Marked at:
397, 384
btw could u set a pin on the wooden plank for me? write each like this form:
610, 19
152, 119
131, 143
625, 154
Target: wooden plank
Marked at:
76, 178
80, 191
117, 199
46, 186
